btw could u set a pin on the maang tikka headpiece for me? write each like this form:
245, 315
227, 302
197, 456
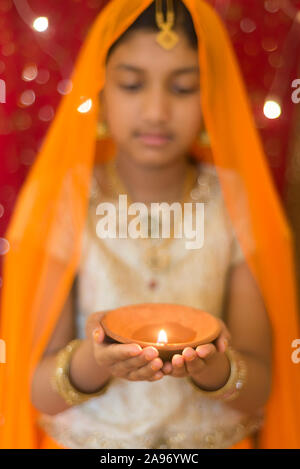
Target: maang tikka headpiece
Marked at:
166, 38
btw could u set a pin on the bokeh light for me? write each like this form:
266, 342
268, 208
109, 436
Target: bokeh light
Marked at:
40, 24
276, 60
65, 86
29, 72
85, 107
46, 113
269, 44
4, 246
43, 76
272, 109
27, 98
272, 6
247, 25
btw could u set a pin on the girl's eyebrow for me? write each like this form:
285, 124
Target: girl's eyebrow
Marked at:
177, 71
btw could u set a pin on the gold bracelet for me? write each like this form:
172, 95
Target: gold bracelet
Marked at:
60, 380
235, 382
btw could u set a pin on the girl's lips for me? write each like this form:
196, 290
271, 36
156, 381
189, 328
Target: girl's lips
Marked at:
154, 140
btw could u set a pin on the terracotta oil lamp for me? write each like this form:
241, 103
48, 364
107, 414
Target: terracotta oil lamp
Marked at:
170, 328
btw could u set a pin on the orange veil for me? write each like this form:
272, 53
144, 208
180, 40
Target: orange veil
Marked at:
45, 232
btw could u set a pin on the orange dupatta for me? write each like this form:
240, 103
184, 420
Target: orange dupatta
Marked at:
45, 232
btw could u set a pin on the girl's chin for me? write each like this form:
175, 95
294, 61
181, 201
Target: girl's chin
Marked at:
154, 160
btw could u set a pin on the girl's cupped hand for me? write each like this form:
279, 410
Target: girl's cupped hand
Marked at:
193, 362
128, 361
131, 362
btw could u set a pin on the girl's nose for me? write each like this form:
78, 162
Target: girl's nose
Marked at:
156, 106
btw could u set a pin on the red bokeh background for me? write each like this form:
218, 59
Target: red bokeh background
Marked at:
265, 36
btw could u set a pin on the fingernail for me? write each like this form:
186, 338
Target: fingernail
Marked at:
97, 334
135, 351
155, 366
178, 362
189, 356
150, 354
201, 351
225, 342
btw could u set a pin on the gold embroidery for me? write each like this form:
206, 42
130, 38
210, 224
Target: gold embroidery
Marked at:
220, 438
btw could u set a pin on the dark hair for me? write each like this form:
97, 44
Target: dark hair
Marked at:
183, 22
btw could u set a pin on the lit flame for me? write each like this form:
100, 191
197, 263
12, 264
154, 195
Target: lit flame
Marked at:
162, 336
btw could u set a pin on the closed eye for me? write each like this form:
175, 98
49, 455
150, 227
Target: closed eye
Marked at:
185, 90
130, 87
176, 90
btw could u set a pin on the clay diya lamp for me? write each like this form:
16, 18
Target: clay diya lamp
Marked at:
170, 328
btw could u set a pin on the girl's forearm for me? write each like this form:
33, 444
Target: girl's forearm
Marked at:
256, 391
85, 375
254, 394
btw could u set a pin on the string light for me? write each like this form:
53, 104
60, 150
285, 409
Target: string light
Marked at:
65, 86
272, 109
40, 24
30, 72
4, 246
43, 76
27, 98
85, 107
46, 113
272, 6
247, 25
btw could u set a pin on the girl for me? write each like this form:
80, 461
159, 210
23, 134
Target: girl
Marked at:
155, 91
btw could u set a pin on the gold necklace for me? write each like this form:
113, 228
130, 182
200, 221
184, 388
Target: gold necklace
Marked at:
156, 254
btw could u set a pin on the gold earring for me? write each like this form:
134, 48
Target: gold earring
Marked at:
203, 138
102, 131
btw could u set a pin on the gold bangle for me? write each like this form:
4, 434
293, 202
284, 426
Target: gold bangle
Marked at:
235, 382
60, 380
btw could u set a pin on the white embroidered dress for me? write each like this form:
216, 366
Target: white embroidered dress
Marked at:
168, 413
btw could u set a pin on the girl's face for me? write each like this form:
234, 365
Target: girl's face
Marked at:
151, 99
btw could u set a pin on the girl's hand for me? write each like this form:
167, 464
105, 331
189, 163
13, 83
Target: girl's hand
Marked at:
128, 361
194, 362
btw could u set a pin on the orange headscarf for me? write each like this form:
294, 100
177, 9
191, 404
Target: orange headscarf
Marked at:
45, 232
